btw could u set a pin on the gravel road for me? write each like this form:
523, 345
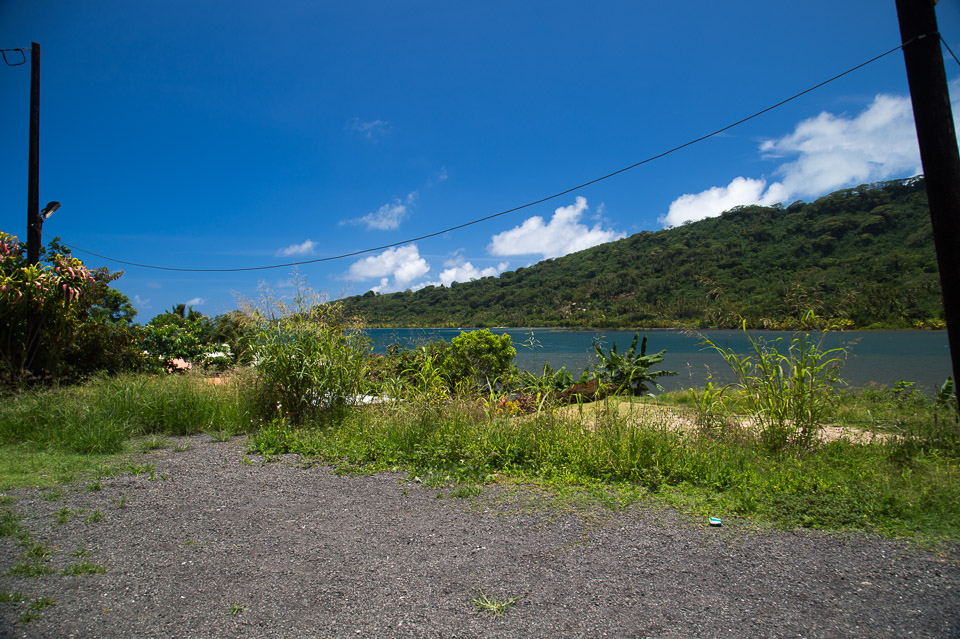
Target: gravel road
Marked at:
210, 546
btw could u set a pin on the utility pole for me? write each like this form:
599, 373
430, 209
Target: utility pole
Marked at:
33, 174
938, 152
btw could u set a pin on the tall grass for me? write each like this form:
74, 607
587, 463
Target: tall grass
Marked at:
99, 416
787, 393
310, 357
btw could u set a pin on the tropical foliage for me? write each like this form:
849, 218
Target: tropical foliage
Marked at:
53, 324
630, 371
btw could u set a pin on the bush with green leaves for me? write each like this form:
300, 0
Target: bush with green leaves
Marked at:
308, 356
170, 341
183, 333
630, 372
478, 358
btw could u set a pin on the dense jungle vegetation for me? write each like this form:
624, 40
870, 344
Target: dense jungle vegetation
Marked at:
861, 257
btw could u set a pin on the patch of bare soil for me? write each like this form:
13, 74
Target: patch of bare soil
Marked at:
669, 417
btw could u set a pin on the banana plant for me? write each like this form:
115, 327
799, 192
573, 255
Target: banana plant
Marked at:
630, 371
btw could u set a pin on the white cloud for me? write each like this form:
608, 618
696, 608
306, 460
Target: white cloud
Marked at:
371, 130
388, 216
197, 301
403, 264
836, 151
831, 152
459, 270
714, 201
304, 248
562, 235
140, 302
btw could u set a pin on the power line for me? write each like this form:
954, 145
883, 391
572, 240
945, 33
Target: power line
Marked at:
514, 209
950, 50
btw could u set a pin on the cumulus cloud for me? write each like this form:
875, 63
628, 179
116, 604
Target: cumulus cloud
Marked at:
563, 234
835, 151
829, 152
197, 301
395, 268
304, 248
716, 200
387, 217
140, 302
460, 270
371, 130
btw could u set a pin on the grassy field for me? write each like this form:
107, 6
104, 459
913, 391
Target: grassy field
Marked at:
891, 465
60, 435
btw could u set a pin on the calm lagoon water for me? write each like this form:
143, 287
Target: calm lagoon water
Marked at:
872, 357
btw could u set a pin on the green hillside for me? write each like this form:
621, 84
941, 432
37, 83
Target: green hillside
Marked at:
863, 255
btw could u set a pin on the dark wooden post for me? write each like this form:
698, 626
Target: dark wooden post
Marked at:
938, 151
33, 174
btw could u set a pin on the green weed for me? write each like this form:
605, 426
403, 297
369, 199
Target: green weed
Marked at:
43, 603
15, 596
51, 495
29, 569
235, 610
28, 616
94, 517
153, 442
220, 435
9, 523
465, 491
84, 568
38, 552
496, 607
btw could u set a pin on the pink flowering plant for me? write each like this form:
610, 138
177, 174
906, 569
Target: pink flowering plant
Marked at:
43, 308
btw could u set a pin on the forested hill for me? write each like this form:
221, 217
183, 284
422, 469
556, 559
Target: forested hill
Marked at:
862, 255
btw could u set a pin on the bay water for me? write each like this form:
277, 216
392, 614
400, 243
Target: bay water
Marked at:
872, 357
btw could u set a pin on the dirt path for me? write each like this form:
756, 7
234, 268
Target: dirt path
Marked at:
213, 547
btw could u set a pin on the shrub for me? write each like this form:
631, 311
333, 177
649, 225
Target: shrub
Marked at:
477, 358
45, 320
308, 355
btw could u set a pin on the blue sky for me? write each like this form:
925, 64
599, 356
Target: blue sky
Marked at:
217, 135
